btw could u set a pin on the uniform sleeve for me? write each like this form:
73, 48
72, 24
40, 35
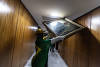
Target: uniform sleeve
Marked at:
56, 39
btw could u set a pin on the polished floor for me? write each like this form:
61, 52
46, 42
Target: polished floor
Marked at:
54, 60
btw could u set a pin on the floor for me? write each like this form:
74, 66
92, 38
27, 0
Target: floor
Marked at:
52, 56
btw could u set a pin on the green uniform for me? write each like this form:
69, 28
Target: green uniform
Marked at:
41, 57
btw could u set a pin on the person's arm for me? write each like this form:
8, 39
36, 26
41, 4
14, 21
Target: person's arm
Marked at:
56, 39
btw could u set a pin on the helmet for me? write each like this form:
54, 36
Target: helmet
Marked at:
40, 33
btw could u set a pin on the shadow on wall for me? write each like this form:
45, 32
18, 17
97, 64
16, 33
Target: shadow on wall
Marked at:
93, 48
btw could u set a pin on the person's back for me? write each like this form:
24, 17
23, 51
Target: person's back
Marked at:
42, 48
41, 57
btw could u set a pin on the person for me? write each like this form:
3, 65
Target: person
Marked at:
42, 48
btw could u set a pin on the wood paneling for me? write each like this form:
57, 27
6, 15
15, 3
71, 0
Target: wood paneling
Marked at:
82, 49
16, 39
95, 40
75, 50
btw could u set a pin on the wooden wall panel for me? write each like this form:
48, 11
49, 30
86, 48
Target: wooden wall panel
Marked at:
85, 21
82, 49
95, 24
95, 40
16, 39
6, 38
75, 50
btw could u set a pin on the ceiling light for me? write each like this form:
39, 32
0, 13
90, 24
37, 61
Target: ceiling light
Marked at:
56, 14
53, 24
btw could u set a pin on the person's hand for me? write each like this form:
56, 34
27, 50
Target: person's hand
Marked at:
56, 39
46, 32
61, 37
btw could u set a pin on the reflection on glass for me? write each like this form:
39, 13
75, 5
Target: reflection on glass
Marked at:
62, 27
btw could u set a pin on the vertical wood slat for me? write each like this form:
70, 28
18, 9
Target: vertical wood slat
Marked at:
16, 40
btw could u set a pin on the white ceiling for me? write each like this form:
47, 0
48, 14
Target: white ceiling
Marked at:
69, 8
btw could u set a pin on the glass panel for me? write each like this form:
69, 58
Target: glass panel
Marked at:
62, 27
